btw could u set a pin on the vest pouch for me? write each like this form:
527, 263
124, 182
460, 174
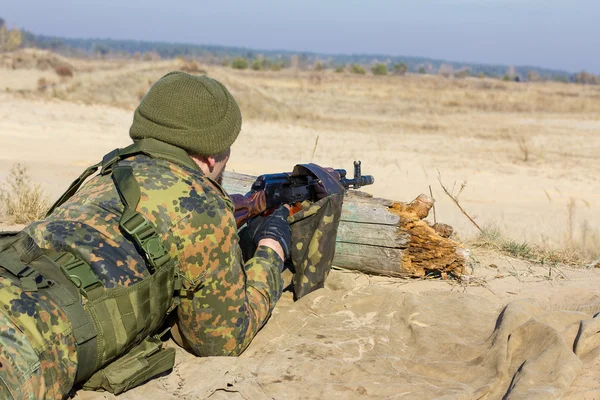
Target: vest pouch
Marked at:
314, 230
7, 239
142, 363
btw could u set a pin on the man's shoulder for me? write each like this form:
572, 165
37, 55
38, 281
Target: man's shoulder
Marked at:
173, 186
160, 174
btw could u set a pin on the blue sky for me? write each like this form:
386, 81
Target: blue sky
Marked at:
550, 33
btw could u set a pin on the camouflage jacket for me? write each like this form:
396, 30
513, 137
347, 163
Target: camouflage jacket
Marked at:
225, 301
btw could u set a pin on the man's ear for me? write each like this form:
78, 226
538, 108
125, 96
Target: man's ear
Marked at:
210, 161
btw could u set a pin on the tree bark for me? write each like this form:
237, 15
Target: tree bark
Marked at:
386, 237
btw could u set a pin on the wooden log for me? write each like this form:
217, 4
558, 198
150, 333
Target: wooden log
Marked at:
385, 237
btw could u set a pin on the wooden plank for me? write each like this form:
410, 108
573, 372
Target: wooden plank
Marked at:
367, 211
236, 183
370, 234
369, 259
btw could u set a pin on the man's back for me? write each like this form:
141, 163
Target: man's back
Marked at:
172, 197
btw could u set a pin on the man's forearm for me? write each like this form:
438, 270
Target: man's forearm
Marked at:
225, 314
273, 244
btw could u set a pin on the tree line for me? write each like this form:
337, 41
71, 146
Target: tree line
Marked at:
243, 58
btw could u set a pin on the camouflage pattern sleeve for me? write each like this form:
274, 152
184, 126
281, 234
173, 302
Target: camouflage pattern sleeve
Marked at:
224, 302
38, 356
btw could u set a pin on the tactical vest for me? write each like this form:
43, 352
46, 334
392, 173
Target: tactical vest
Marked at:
109, 356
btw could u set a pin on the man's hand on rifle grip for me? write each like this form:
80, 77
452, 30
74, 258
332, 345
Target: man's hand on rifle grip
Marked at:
273, 231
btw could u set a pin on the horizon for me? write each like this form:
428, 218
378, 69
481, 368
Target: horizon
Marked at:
309, 52
524, 35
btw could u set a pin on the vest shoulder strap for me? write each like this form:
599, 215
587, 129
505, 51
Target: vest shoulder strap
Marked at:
134, 224
150, 147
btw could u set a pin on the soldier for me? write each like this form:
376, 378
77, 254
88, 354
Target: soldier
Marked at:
153, 234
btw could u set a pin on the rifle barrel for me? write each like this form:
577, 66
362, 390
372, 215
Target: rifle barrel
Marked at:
356, 183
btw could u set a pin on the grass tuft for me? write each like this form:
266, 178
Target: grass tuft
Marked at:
21, 200
518, 249
574, 253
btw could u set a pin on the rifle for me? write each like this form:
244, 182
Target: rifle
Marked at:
305, 182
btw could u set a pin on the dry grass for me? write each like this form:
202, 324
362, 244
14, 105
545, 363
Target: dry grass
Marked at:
191, 67
524, 148
42, 84
334, 101
33, 59
581, 248
21, 200
412, 103
577, 253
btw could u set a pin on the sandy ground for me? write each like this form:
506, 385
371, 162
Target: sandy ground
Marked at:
406, 131
528, 200
498, 281
56, 139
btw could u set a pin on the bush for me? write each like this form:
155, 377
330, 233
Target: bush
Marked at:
422, 70
257, 65
339, 69
585, 78
357, 69
21, 200
276, 66
192, 66
239, 63
561, 79
379, 69
446, 70
462, 72
534, 76
64, 71
400, 69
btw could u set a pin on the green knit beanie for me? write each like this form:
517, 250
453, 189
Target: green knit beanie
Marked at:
195, 113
